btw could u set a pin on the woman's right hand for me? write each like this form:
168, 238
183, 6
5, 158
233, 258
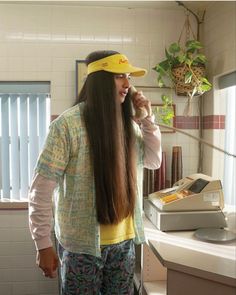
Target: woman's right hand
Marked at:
48, 261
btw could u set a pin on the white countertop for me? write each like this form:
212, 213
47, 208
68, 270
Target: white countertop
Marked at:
180, 250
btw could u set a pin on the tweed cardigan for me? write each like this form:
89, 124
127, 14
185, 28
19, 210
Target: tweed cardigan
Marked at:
65, 159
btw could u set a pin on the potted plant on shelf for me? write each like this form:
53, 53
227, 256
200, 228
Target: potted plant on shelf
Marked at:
183, 70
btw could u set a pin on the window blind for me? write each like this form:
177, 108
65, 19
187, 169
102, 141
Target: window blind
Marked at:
24, 120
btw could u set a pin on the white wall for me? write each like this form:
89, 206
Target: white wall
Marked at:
219, 37
42, 42
18, 272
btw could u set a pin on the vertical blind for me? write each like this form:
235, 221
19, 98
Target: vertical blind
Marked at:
24, 119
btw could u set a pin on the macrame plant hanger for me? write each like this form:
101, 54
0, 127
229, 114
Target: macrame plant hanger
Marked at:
187, 32
187, 28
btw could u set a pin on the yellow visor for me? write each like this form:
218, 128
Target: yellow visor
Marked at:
117, 64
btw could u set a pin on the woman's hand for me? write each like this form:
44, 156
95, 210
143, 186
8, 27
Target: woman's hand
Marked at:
141, 102
48, 261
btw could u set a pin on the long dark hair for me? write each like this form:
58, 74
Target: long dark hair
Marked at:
111, 136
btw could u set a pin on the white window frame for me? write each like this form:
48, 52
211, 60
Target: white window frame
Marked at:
227, 86
229, 179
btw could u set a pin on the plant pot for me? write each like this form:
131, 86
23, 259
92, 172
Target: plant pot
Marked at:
178, 72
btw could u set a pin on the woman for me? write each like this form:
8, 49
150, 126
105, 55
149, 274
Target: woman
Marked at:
93, 160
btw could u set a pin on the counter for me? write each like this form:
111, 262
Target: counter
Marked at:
186, 264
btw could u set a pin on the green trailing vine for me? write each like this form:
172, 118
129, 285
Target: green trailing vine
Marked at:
190, 60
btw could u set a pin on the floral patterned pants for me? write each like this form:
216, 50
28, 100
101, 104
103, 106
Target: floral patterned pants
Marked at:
110, 274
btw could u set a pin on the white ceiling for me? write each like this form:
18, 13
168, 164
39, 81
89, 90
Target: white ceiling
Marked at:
167, 4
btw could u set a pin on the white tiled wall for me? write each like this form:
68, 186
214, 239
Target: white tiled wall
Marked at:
19, 274
41, 43
220, 47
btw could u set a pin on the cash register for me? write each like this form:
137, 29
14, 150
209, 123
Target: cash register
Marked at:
194, 202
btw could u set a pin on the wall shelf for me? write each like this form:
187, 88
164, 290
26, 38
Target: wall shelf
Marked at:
152, 87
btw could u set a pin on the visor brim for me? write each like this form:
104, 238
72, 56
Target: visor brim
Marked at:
133, 71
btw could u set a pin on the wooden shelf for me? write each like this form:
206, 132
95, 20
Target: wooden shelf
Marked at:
155, 287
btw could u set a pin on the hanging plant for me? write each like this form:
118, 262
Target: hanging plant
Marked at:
184, 67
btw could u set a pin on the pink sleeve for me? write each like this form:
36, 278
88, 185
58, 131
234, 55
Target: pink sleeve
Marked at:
152, 143
40, 211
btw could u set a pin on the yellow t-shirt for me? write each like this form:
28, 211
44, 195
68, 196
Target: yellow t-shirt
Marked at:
113, 234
